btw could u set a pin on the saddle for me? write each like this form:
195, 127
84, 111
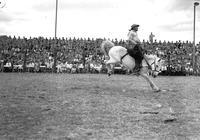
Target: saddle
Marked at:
137, 53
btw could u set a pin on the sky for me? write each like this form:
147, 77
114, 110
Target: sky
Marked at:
169, 20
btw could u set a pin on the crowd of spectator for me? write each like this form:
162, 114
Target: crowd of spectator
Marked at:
78, 55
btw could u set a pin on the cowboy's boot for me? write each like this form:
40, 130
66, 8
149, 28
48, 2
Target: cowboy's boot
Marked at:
137, 67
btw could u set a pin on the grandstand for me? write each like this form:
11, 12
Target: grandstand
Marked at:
78, 55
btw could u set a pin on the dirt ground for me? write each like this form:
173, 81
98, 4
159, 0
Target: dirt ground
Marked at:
95, 107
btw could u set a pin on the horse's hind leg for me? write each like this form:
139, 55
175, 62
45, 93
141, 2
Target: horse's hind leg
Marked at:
110, 65
110, 69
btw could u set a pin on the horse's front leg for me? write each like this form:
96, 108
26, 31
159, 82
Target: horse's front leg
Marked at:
152, 84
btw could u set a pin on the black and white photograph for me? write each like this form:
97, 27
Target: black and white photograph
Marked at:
99, 70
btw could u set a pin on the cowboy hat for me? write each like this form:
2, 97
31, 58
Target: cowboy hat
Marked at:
134, 25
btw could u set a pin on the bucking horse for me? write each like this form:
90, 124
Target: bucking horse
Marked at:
118, 54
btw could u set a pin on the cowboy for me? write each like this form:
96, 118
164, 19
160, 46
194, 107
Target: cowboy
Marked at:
134, 48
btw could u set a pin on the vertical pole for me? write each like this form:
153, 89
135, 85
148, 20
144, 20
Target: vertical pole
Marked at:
194, 48
55, 41
56, 19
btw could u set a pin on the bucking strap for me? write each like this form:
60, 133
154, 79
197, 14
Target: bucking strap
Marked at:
124, 56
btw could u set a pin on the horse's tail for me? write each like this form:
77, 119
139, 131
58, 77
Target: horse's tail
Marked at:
106, 46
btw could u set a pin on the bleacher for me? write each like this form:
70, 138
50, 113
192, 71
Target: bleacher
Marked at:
84, 55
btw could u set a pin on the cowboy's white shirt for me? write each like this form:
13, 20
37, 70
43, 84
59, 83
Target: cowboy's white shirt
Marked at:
132, 35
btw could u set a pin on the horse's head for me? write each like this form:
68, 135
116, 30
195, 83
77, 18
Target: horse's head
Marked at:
156, 64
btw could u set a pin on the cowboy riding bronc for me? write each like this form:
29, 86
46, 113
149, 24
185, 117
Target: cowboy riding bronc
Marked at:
134, 48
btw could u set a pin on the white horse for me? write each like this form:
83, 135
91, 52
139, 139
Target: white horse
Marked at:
118, 54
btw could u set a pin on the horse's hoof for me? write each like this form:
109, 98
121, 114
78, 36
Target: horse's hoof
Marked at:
157, 90
138, 74
154, 76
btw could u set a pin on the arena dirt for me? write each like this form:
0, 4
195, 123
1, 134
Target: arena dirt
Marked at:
95, 107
